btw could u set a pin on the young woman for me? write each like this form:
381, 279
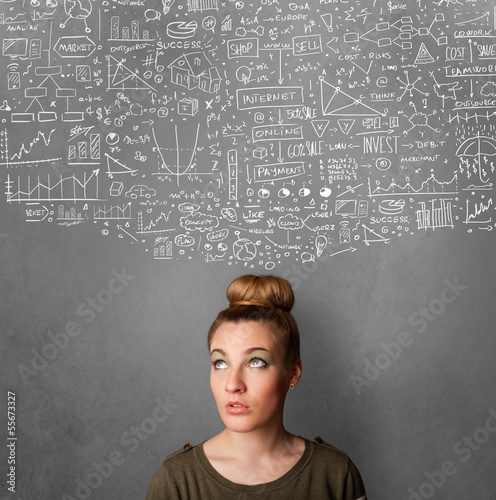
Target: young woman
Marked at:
255, 352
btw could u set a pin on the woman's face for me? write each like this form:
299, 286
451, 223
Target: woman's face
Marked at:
248, 377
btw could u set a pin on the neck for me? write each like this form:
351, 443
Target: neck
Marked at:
257, 445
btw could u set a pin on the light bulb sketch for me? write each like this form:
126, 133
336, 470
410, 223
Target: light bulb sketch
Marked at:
320, 244
167, 5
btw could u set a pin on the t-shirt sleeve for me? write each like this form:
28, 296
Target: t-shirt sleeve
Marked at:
355, 490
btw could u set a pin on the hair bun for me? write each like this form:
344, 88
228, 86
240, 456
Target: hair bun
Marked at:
266, 291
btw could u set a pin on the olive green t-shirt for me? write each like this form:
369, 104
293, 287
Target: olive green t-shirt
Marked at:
323, 472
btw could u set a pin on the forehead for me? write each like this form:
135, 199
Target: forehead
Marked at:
244, 335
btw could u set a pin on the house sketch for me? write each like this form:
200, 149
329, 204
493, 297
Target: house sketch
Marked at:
195, 70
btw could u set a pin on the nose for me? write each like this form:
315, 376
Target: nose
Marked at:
235, 382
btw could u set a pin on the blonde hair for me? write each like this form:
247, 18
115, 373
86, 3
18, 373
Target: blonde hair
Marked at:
265, 299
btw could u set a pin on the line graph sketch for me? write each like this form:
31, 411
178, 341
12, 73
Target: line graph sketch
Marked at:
69, 188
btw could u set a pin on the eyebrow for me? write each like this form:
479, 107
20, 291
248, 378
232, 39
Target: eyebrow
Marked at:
248, 351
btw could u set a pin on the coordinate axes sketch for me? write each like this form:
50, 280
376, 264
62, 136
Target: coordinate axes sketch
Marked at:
250, 132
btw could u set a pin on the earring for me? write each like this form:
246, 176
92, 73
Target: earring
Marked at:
291, 386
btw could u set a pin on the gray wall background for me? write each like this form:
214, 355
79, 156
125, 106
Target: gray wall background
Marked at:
91, 382
149, 343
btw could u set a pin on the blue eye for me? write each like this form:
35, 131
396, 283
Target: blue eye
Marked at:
259, 363
215, 364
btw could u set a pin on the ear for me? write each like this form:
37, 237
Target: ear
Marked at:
295, 371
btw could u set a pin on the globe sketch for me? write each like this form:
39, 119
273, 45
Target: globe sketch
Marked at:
244, 249
77, 9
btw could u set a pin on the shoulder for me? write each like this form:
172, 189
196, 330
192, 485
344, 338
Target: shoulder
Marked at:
327, 448
179, 457
341, 466
176, 460
170, 471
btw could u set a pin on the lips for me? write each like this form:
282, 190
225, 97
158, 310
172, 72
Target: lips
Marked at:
237, 408
236, 404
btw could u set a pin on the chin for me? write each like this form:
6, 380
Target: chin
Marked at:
239, 428
242, 424
238, 424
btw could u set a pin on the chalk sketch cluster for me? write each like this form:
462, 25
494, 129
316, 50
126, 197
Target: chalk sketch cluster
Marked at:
249, 131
